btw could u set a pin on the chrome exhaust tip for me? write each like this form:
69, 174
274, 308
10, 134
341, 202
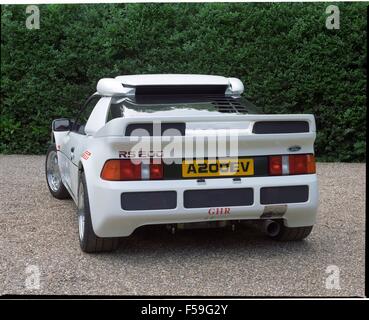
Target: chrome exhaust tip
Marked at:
271, 228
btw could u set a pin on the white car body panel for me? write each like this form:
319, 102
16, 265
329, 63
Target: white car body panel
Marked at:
122, 223
104, 140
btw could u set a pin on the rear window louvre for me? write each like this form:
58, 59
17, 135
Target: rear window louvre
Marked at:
229, 105
270, 127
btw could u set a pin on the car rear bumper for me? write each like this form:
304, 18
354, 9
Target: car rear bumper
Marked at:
118, 208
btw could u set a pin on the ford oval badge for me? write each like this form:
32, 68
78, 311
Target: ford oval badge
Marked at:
294, 148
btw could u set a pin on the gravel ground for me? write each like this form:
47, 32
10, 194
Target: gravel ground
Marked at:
38, 230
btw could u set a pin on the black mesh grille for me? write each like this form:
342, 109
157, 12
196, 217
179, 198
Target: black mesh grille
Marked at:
287, 194
270, 127
152, 200
180, 128
218, 198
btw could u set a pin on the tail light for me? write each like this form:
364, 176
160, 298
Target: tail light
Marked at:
275, 165
111, 170
302, 164
126, 170
156, 171
292, 164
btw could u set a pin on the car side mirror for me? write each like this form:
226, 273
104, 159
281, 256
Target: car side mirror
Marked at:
62, 124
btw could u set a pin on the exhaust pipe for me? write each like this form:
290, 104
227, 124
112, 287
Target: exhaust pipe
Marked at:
271, 228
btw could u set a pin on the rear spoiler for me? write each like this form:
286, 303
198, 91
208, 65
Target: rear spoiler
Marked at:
250, 124
133, 85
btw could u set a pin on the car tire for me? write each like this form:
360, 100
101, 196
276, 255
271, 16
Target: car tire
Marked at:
88, 240
53, 177
292, 234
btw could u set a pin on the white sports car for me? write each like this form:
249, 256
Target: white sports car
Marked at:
185, 151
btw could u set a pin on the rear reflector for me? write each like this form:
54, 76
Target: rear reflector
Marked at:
126, 170
291, 164
270, 127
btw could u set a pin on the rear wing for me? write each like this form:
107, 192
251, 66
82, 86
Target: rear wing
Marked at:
160, 84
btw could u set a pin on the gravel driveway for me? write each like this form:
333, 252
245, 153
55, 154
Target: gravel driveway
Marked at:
40, 232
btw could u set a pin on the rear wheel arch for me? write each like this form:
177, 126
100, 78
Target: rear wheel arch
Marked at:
88, 240
52, 173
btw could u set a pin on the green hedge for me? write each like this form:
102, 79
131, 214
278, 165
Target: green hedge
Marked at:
286, 57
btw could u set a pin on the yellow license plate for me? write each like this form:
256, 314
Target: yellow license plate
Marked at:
217, 168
